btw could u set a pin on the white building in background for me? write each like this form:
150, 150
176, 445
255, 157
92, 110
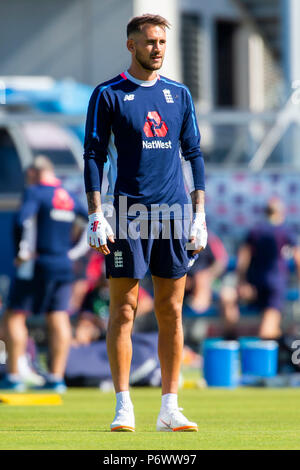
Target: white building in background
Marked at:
82, 39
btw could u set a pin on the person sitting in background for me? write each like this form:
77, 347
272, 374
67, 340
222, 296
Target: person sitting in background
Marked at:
93, 317
262, 273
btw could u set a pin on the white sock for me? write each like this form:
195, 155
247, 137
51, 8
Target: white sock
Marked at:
169, 401
123, 400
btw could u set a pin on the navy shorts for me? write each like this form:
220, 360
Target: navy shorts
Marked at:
162, 251
270, 297
39, 295
20, 295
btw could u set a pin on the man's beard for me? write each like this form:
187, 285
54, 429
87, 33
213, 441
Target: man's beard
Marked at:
147, 65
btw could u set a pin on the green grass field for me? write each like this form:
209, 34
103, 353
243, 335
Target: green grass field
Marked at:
227, 419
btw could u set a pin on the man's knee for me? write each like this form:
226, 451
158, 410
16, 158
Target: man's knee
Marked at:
168, 312
59, 322
123, 313
13, 320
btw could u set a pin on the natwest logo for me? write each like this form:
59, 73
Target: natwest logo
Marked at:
154, 126
157, 144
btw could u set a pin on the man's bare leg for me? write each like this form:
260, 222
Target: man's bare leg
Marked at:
230, 311
16, 337
60, 336
270, 324
123, 305
168, 299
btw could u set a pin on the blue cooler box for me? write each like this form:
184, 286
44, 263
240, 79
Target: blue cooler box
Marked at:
221, 363
259, 357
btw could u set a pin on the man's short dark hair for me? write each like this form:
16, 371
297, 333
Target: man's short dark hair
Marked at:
136, 23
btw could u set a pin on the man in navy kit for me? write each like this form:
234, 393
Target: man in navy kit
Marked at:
45, 221
141, 121
262, 273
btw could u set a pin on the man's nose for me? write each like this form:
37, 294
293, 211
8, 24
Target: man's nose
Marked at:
157, 46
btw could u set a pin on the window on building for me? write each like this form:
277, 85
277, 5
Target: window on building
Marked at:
190, 52
225, 66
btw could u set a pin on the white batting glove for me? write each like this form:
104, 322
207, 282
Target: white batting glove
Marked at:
98, 230
198, 231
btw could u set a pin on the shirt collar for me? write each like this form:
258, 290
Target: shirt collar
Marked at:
145, 83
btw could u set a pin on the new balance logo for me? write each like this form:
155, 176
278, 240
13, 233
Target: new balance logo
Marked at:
129, 97
118, 259
168, 96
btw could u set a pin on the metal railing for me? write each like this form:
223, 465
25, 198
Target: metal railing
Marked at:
230, 138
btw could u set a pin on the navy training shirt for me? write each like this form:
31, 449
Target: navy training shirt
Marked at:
53, 210
142, 129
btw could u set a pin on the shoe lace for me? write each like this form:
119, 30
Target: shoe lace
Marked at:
176, 414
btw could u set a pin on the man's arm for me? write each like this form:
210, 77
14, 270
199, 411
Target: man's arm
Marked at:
97, 133
29, 206
26, 225
198, 200
243, 262
94, 201
190, 147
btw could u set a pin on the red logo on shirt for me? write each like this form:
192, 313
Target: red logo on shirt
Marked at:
62, 200
154, 126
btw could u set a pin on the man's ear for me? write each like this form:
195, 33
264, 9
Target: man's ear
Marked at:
130, 45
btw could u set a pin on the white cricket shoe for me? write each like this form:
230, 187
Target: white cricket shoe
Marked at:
28, 374
123, 420
174, 420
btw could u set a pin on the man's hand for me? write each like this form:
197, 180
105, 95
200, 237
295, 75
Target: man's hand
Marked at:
23, 255
198, 233
98, 232
18, 261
